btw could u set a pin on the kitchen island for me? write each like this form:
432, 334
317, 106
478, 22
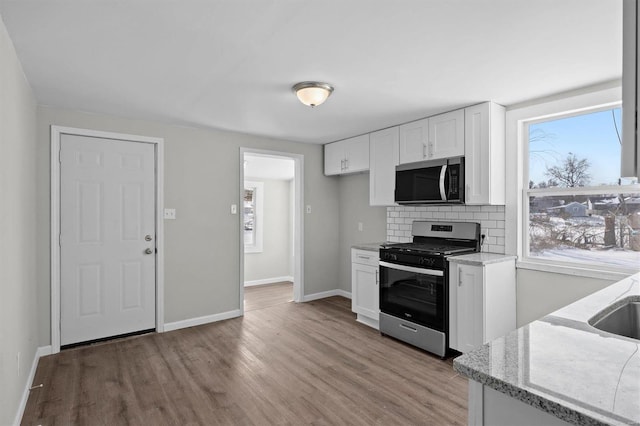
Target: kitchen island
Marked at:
559, 370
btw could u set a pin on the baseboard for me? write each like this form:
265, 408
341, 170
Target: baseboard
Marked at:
267, 281
191, 322
324, 294
40, 352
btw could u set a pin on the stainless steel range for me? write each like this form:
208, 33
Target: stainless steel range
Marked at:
414, 283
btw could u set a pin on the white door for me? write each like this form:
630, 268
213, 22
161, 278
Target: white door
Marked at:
107, 238
413, 141
383, 154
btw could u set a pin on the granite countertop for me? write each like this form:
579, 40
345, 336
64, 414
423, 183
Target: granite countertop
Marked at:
481, 258
562, 365
368, 246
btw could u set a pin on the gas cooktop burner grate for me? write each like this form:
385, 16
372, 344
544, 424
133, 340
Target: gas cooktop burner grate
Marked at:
427, 248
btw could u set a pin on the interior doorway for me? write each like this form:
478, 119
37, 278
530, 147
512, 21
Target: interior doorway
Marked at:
270, 216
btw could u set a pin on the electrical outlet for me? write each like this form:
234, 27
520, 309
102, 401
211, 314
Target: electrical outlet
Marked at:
308, 208
234, 209
170, 214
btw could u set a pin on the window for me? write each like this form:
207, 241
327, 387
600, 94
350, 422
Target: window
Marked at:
252, 216
576, 210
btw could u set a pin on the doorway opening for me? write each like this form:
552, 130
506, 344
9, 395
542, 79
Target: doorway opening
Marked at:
270, 216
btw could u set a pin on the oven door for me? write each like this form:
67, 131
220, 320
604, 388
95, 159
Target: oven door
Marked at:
414, 294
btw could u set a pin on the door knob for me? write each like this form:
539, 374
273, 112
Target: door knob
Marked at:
148, 251
148, 237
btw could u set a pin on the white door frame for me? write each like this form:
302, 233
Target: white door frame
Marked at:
298, 241
56, 135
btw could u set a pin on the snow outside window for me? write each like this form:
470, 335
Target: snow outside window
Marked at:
577, 212
253, 216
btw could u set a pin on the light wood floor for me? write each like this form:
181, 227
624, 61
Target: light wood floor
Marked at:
264, 296
289, 363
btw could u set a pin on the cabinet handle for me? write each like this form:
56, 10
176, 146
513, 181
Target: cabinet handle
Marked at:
459, 281
364, 257
424, 150
430, 149
377, 277
346, 164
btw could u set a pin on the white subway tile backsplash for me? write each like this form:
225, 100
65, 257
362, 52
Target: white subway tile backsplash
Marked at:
491, 219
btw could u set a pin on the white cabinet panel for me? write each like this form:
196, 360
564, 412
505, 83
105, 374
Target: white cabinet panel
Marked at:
384, 157
333, 158
446, 135
347, 156
485, 154
365, 286
482, 303
414, 138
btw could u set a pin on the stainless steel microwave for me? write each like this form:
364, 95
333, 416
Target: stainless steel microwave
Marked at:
430, 182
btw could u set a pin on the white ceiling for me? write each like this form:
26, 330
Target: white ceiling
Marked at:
268, 167
230, 64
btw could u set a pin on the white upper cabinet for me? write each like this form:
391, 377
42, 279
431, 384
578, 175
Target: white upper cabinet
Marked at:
440, 136
384, 157
347, 156
446, 135
414, 139
485, 154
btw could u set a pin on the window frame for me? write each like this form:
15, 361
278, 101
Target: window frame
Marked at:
519, 117
258, 222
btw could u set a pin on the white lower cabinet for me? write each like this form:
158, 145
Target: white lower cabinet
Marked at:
364, 286
482, 302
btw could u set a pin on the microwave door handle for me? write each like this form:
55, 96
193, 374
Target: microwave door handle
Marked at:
443, 174
415, 270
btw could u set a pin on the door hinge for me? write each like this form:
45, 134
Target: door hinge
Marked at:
60, 240
60, 156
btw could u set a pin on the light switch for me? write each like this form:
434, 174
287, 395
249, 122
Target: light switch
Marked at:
234, 209
170, 214
308, 208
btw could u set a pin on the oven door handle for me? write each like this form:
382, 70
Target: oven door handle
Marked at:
405, 268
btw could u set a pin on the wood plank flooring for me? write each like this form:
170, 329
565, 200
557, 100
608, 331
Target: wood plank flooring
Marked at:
289, 363
264, 296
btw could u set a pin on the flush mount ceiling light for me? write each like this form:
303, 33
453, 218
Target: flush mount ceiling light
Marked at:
312, 93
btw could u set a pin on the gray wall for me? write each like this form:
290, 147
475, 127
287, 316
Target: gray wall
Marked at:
202, 247
539, 293
354, 208
18, 311
274, 260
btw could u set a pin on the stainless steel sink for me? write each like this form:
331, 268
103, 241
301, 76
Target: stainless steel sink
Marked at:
623, 320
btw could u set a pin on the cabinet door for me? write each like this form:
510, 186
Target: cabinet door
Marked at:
484, 148
364, 290
333, 158
470, 315
446, 135
357, 154
384, 157
414, 137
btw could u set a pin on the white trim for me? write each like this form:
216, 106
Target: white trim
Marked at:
267, 281
325, 294
298, 241
56, 134
40, 352
206, 319
370, 322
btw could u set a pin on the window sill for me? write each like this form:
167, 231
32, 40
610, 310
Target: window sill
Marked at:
574, 270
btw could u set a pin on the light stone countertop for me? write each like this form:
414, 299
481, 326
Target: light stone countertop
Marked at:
562, 365
368, 246
480, 259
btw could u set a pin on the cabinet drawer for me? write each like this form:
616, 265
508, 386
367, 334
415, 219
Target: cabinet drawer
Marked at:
364, 257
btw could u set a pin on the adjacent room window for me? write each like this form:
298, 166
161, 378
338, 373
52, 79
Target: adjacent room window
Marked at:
253, 216
576, 211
